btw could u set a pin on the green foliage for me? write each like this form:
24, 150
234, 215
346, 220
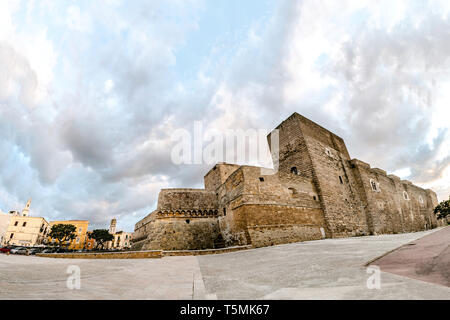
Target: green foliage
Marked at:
443, 209
101, 236
63, 233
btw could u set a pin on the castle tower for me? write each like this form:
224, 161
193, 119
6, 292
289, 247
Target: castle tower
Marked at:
26, 210
309, 150
112, 226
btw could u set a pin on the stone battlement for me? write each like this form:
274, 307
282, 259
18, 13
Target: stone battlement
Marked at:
188, 214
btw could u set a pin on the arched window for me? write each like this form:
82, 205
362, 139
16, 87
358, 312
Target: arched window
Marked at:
421, 199
294, 170
328, 152
293, 191
406, 195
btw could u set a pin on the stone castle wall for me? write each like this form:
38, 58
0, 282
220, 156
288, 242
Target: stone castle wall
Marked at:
318, 191
387, 209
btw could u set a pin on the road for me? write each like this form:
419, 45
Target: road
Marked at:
426, 259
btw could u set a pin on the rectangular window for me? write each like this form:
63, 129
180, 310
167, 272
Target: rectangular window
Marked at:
11, 236
24, 224
16, 223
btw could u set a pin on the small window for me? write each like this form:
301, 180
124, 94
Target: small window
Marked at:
340, 179
328, 152
261, 179
315, 198
16, 223
294, 170
293, 191
11, 236
78, 240
224, 211
421, 199
375, 185
79, 230
24, 224
188, 221
405, 195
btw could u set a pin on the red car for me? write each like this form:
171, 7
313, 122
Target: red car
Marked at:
5, 250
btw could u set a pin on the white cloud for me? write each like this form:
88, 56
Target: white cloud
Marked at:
101, 80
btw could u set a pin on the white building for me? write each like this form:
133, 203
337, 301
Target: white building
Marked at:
122, 240
5, 218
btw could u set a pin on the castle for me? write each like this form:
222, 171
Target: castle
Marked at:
317, 192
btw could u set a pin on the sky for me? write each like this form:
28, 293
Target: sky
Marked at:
91, 91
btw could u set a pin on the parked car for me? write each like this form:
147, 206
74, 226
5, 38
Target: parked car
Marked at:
23, 250
34, 250
15, 249
5, 250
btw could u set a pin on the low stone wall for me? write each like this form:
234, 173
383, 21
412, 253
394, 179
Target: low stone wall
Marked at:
204, 252
140, 254
106, 255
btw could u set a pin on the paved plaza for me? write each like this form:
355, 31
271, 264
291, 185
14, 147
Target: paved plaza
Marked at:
324, 269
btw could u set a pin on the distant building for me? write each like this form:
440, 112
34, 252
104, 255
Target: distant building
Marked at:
122, 240
112, 226
90, 243
26, 210
24, 230
4, 224
79, 241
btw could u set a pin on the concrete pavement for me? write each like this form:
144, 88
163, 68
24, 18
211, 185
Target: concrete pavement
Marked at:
324, 269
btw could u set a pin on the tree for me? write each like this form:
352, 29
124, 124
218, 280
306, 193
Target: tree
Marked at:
63, 233
101, 236
443, 209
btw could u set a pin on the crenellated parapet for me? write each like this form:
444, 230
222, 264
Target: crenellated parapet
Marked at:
188, 213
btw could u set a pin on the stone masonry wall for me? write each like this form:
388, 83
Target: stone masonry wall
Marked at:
387, 209
285, 205
179, 234
187, 199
